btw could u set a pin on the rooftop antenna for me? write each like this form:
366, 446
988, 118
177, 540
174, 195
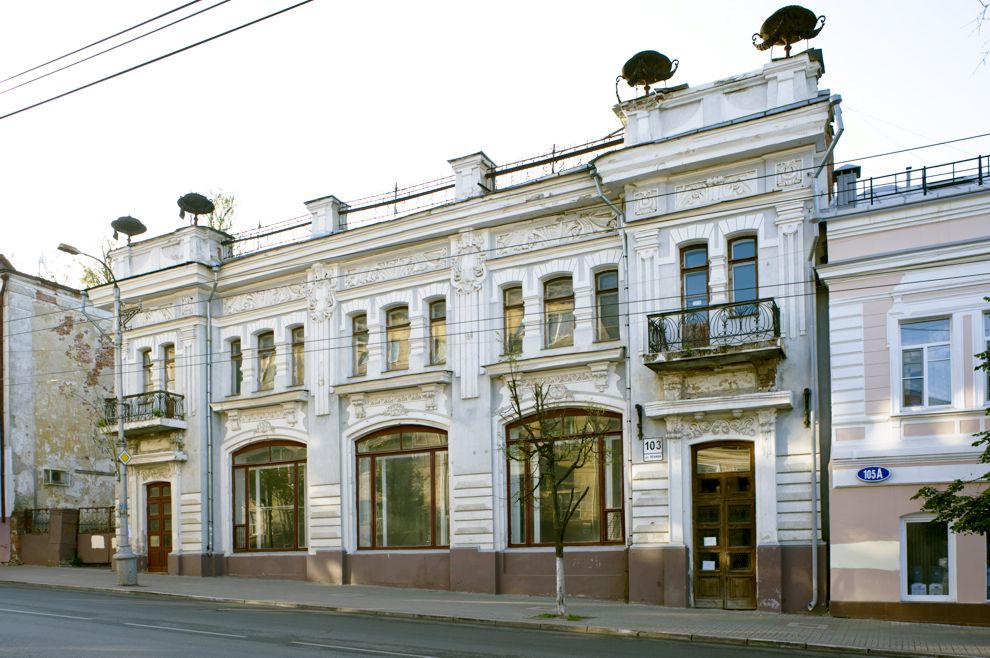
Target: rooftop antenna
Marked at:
194, 204
127, 225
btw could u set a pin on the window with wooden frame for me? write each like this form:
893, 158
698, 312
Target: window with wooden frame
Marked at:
397, 338
599, 517
147, 368
298, 356
168, 367
558, 312
694, 295
359, 344
266, 361
607, 305
513, 310
236, 364
926, 372
743, 281
438, 332
269, 497
402, 489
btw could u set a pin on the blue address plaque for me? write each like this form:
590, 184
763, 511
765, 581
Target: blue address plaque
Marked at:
873, 474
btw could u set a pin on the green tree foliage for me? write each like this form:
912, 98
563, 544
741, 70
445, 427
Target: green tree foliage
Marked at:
95, 274
222, 217
965, 513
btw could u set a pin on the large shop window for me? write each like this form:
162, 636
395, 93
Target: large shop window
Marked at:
607, 302
266, 361
926, 375
402, 489
270, 497
397, 338
558, 312
599, 516
986, 335
513, 330
926, 547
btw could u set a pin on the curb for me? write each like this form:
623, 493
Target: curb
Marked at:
527, 625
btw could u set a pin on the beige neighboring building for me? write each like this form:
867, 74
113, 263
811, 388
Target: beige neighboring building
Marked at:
907, 273
56, 369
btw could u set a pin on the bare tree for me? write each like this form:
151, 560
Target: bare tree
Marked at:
224, 207
96, 274
555, 446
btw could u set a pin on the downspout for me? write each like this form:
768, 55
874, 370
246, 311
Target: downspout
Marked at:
3, 412
620, 218
834, 104
813, 424
209, 415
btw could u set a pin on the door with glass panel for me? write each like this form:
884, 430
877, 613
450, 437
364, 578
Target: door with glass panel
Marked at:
724, 518
159, 517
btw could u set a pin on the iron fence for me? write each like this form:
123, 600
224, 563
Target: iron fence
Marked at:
36, 521
924, 180
714, 326
96, 520
145, 406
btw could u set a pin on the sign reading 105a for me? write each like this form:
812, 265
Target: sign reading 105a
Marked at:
873, 474
652, 450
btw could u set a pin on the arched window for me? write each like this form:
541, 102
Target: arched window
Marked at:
402, 489
270, 497
587, 449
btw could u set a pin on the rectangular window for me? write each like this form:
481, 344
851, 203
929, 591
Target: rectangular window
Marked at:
926, 377
438, 332
986, 334
269, 498
513, 329
236, 361
694, 291
607, 303
298, 357
266, 361
558, 310
146, 370
397, 338
359, 344
742, 273
927, 554
169, 353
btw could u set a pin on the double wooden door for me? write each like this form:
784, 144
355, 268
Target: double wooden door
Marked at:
724, 520
159, 525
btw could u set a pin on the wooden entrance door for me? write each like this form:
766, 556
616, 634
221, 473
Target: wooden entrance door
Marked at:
159, 525
724, 515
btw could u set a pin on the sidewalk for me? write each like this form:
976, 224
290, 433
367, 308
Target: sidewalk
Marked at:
796, 632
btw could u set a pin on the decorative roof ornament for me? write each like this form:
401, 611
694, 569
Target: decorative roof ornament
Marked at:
788, 25
194, 204
646, 68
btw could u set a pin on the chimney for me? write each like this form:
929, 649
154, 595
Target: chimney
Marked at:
328, 215
473, 176
845, 182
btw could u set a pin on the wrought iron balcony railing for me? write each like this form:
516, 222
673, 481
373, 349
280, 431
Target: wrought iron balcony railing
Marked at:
720, 325
146, 406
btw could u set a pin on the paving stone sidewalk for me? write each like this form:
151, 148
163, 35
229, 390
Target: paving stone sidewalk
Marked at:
797, 632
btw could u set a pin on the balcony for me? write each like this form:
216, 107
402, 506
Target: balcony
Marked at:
713, 335
154, 411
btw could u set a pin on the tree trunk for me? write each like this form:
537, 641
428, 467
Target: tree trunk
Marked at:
559, 561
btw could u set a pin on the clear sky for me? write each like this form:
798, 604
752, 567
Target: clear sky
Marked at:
350, 98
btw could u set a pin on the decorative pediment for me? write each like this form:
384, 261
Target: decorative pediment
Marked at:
265, 414
714, 189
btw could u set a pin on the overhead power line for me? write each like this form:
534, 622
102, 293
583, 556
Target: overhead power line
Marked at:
156, 59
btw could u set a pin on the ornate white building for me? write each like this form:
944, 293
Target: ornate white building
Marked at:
335, 407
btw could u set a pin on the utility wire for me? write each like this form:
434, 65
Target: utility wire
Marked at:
152, 61
119, 45
96, 43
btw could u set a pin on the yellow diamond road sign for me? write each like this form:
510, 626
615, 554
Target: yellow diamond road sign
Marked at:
124, 456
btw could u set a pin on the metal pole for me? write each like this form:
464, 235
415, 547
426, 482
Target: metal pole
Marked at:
124, 558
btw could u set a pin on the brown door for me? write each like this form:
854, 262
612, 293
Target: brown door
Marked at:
159, 525
724, 517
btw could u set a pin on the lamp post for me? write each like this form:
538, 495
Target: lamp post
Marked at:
124, 558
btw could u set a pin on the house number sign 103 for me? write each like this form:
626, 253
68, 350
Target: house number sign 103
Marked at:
652, 450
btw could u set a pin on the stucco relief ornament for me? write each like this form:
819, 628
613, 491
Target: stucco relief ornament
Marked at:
319, 294
467, 269
264, 427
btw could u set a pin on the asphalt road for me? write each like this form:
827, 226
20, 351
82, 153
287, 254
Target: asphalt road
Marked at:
48, 622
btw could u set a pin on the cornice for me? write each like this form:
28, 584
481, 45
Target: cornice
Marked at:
555, 362
720, 404
260, 400
396, 381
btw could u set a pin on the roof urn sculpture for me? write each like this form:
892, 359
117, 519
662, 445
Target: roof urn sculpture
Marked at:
647, 68
788, 25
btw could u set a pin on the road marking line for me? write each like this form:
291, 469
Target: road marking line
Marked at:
341, 646
45, 614
185, 630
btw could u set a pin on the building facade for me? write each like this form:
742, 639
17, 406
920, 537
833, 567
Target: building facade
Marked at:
337, 408
907, 275
53, 357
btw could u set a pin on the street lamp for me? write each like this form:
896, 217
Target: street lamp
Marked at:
124, 558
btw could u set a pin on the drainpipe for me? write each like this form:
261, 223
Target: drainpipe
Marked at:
813, 424
209, 415
834, 104
620, 218
3, 416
